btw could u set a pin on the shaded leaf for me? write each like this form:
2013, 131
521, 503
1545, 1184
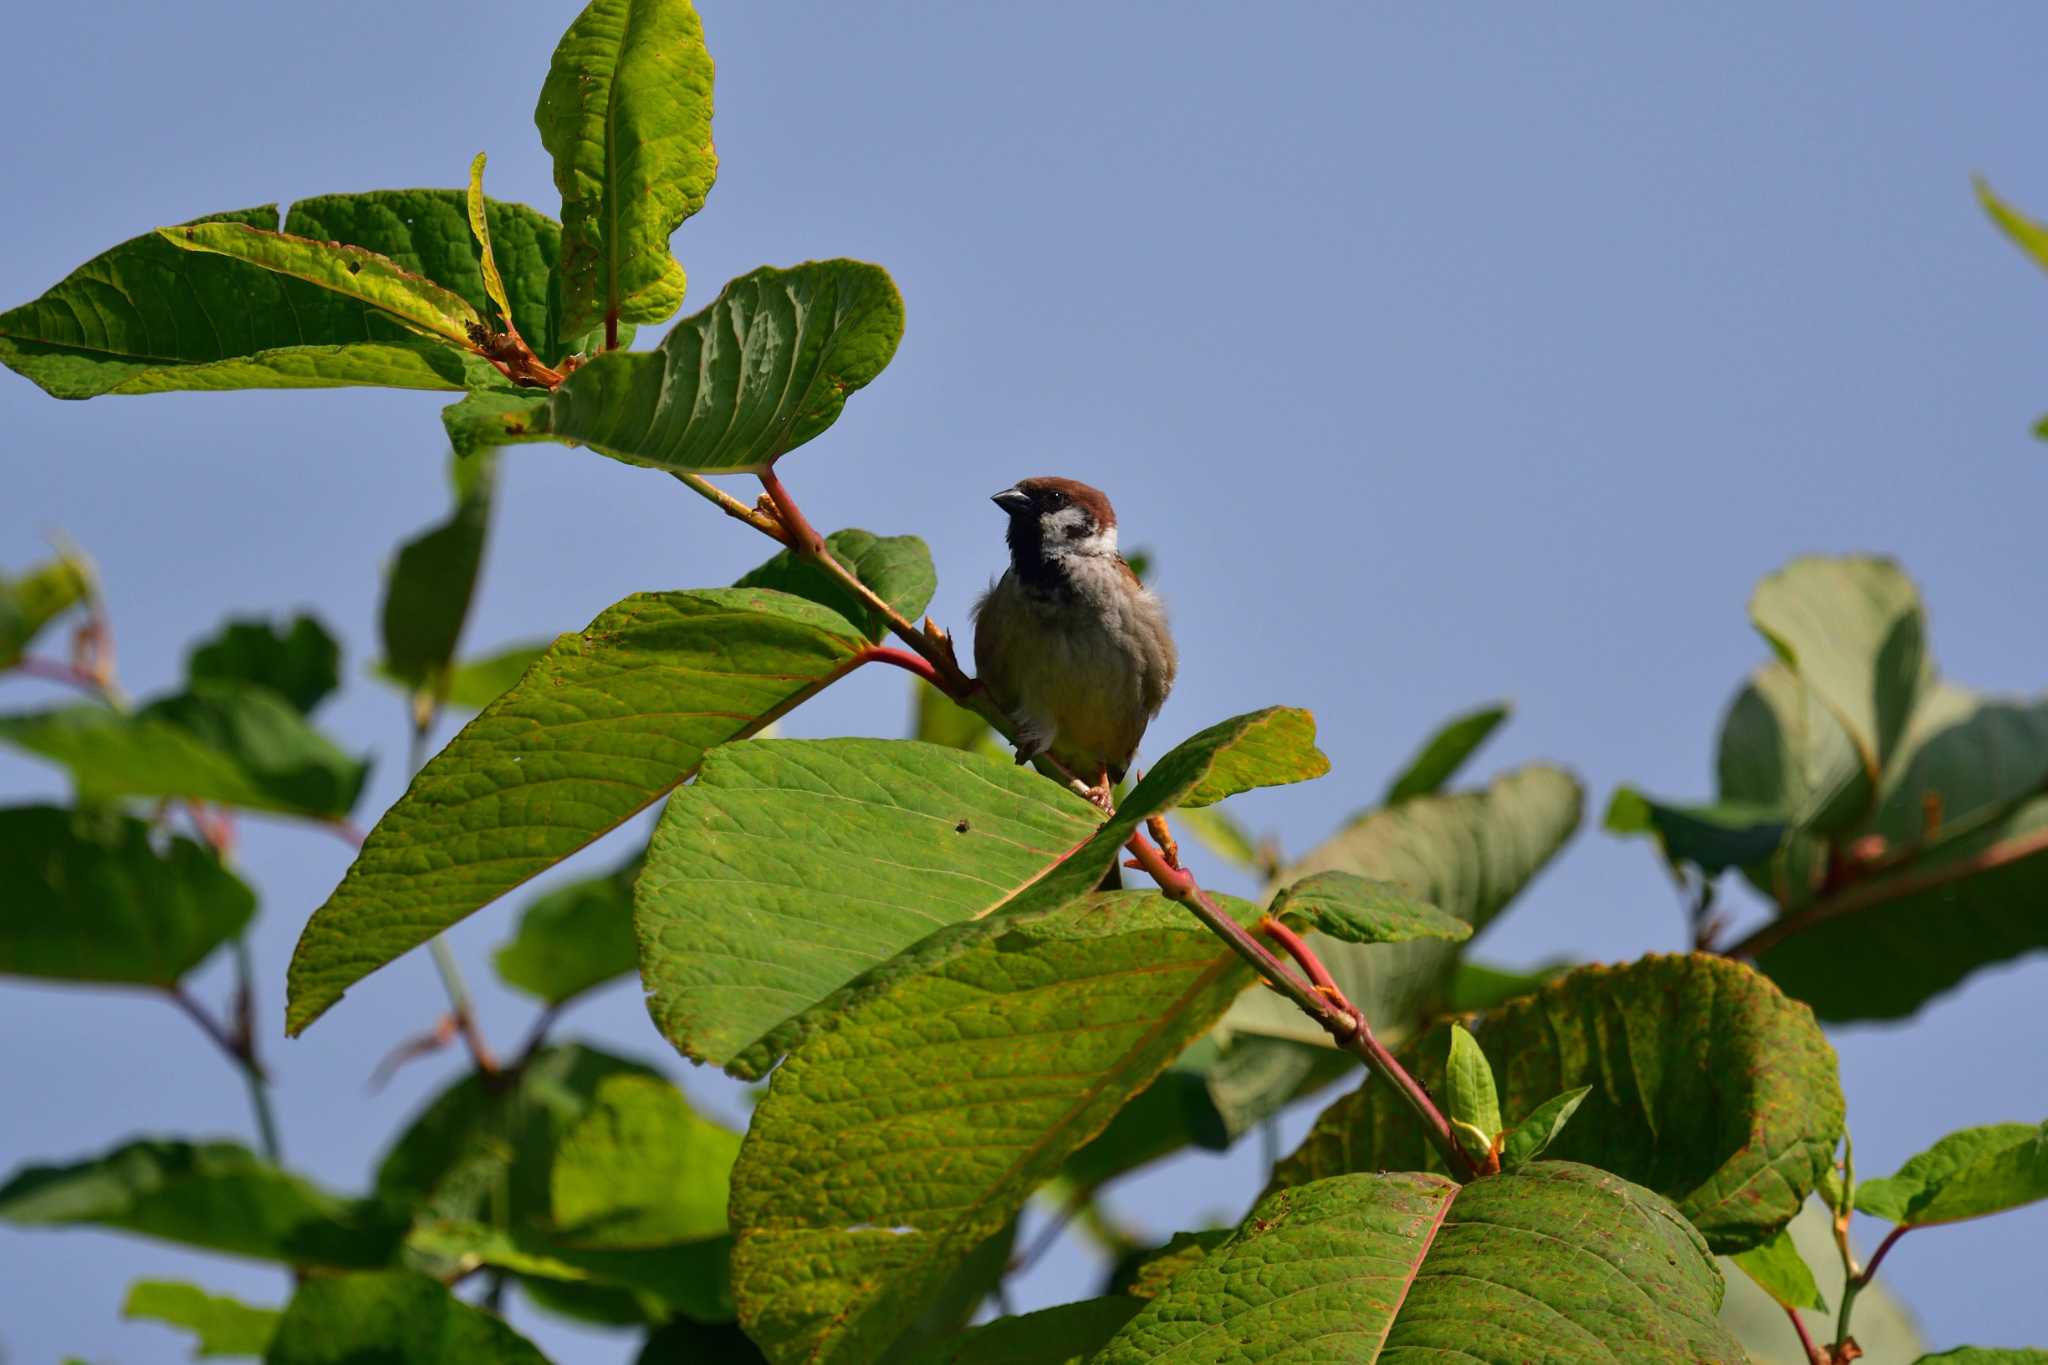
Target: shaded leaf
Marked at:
1712, 838
38, 597
1782, 749
897, 568
496, 417
1004, 1057
683, 1342
1707, 1085
1852, 629
574, 938
1066, 1335
1967, 1174
764, 369
605, 724
218, 741
90, 898
1382, 1267
937, 719
1781, 1272
145, 317
1444, 753
1475, 986
394, 1317
1355, 909
368, 277
223, 1326
1532, 1137
478, 1150
428, 590
1467, 854
300, 662
626, 113
1884, 1329
214, 1195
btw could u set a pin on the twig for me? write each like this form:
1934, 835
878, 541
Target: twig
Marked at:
1870, 1271
883, 655
732, 506
1321, 1001
1854, 1284
444, 958
1863, 895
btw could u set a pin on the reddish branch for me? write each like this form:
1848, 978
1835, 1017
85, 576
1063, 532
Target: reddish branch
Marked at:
935, 661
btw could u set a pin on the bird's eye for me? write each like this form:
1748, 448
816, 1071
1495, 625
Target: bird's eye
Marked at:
1055, 499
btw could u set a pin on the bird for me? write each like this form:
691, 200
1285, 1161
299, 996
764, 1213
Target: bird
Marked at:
1070, 645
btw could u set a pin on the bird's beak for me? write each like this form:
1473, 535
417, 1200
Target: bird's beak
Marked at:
1012, 500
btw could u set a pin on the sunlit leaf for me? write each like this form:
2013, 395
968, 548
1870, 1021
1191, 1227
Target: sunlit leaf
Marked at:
762, 370
898, 569
1781, 1272
394, 1317
626, 113
1707, 1084
36, 598
1967, 1174
1395, 1266
605, 724
223, 1326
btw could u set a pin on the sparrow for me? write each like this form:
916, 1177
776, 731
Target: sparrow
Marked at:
1068, 642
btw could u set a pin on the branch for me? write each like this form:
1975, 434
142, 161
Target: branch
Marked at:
1813, 1352
444, 959
1864, 895
1319, 997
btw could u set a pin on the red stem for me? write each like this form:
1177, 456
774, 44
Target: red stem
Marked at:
1813, 1352
804, 537
1870, 1271
1303, 954
52, 671
882, 654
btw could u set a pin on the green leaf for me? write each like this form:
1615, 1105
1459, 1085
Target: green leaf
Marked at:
224, 1326
937, 719
38, 597
1474, 1101
214, 1195
1852, 628
897, 568
496, 417
1355, 909
1884, 947
1781, 1272
428, 591
1707, 1085
1218, 831
574, 938
1532, 1137
1884, 1328
220, 741
428, 232
1182, 1252
301, 662
626, 113
1408, 1265
1967, 1174
368, 277
394, 1317
791, 866
482, 1150
764, 369
641, 1169
477, 683
1067, 1335
1444, 752
1712, 838
89, 898
145, 317
683, 1342
1467, 854
763, 893
605, 724
1268, 748
2028, 235
615, 1285
1782, 749
1475, 986
898, 1139
480, 228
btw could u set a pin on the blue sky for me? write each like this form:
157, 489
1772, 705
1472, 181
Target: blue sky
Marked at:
1438, 357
